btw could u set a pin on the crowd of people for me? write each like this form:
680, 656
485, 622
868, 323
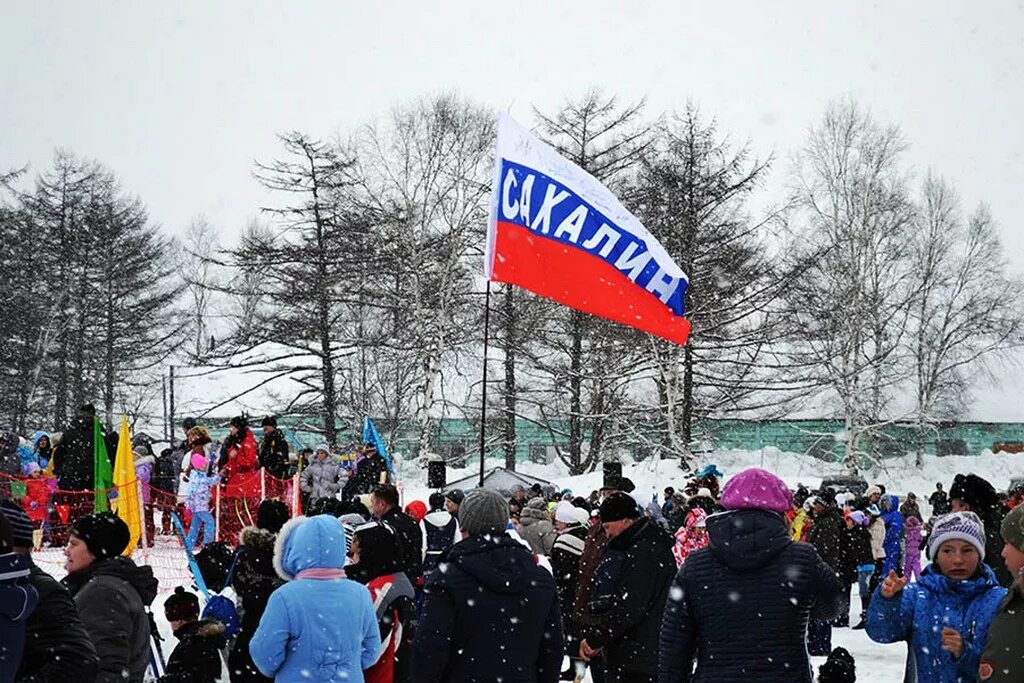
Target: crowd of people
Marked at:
213, 485
711, 583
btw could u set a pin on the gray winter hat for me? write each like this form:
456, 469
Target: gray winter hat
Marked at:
484, 511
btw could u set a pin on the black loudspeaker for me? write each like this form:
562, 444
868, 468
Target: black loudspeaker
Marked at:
612, 472
437, 474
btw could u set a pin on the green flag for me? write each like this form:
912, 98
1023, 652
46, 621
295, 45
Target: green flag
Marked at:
101, 472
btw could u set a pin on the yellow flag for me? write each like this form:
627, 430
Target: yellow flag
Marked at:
127, 487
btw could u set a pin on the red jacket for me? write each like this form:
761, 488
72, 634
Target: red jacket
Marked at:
240, 473
37, 493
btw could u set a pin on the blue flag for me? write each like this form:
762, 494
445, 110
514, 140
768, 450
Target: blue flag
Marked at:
372, 436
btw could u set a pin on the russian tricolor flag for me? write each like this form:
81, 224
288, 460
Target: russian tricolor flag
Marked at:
558, 232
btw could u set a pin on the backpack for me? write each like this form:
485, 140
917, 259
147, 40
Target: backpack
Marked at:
222, 608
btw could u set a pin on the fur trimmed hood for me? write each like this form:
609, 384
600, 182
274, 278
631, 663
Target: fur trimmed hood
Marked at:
309, 543
254, 537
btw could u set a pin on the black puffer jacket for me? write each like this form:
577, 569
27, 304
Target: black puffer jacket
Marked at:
274, 454
57, 648
111, 596
630, 589
826, 536
196, 658
490, 611
254, 581
741, 605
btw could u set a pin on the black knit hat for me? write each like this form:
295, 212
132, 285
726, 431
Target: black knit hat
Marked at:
181, 606
269, 421
271, 515
104, 533
436, 501
87, 409
188, 423
21, 527
975, 491
456, 496
619, 506
239, 422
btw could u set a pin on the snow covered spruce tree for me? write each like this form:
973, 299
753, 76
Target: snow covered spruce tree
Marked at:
849, 311
690, 193
98, 275
427, 167
587, 362
967, 309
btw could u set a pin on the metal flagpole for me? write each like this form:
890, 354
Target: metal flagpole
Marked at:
483, 391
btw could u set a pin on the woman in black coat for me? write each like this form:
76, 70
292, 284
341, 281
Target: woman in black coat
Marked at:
740, 607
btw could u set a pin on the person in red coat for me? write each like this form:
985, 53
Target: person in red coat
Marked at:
240, 480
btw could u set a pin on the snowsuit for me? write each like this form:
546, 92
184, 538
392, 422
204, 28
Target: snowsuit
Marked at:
490, 609
319, 626
893, 534
630, 589
320, 479
196, 657
18, 598
198, 492
752, 567
536, 528
693, 535
57, 648
918, 614
254, 581
37, 497
912, 561
111, 596
1003, 658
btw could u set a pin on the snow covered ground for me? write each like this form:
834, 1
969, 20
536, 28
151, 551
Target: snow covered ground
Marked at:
874, 662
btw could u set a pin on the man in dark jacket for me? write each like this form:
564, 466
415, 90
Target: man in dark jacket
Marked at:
490, 612
741, 605
74, 467
384, 506
630, 589
18, 600
274, 449
971, 493
57, 648
371, 471
939, 501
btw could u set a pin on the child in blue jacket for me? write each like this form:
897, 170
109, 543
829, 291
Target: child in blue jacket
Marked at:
320, 626
944, 616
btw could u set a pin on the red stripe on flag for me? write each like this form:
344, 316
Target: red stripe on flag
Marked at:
575, 278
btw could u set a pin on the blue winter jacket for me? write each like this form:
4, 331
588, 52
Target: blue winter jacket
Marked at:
315, 629
893, 533
918, 614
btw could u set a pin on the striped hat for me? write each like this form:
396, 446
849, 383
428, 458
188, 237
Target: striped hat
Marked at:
957, 526
21, 527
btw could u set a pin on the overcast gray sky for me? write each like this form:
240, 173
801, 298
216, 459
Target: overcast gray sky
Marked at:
178, 99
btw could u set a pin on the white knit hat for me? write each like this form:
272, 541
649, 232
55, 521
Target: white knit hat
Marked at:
957, 526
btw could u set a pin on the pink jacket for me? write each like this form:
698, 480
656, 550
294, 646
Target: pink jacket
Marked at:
691, 536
